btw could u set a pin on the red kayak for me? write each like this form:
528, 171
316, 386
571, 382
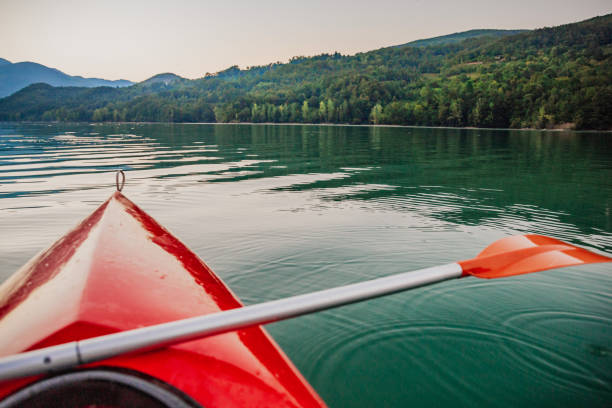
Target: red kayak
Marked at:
119, 270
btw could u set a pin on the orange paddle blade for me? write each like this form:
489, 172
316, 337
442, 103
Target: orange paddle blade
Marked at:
525, 254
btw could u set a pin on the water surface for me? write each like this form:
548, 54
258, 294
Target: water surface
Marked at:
283, 210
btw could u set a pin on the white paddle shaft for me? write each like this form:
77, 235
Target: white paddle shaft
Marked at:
65, 356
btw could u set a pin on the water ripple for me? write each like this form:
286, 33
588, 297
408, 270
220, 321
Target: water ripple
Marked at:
282, 210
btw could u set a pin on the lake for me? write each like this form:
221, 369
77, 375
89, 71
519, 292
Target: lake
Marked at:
282, 210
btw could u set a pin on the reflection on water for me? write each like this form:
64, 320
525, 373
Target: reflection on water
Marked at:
281, 210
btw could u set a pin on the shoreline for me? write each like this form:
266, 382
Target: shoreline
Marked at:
556, 130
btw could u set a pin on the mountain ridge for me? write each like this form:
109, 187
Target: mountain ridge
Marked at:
460, 36
16, 76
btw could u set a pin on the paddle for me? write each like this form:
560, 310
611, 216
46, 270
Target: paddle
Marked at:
506, 257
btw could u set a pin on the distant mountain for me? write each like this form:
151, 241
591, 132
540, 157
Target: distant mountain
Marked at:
14, 77
165, 78
458, 37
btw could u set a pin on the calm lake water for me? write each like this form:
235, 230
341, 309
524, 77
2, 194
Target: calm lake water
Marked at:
283, 210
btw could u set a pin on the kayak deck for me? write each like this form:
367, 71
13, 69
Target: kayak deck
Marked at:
118, 270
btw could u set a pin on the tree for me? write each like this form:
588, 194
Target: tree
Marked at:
322, 111
331, 111
376, 114
305, 112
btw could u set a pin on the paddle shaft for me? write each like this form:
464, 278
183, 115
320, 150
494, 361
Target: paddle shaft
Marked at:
72, 354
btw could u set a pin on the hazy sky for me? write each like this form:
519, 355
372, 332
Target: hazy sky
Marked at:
135, 39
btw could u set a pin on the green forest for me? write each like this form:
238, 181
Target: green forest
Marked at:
545, 78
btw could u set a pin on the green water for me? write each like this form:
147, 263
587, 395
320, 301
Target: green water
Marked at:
283, 210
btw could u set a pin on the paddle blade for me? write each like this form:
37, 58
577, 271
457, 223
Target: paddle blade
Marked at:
525, 254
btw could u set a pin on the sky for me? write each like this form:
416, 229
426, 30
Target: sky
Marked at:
136, 39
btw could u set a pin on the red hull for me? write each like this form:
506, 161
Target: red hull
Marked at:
118, 270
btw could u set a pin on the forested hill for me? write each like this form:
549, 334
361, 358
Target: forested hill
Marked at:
560, 76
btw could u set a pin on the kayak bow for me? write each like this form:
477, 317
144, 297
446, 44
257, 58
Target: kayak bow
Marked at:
119, 270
